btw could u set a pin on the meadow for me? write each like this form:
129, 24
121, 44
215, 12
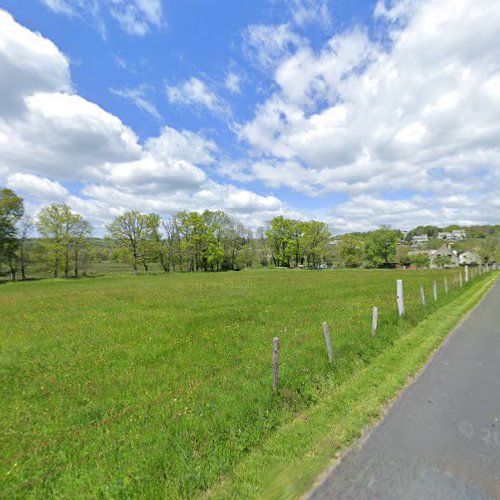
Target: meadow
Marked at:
159, 386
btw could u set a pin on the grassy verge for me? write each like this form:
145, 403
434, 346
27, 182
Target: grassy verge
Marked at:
287, 464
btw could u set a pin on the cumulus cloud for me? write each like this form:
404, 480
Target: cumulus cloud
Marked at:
136, 17
39, 187
418, 114
184, 144
365, 212
40, 68
65, 135
58, 135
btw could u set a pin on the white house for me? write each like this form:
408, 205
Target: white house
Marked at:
457, 235
419, 240
444, 251
470, 257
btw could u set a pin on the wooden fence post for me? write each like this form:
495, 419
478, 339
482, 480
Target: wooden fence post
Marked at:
422, 295
446, 286
374, 321
434, 290
400, 297
276, 348
328, 342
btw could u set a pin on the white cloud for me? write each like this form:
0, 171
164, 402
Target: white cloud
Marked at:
311, 11
65, 135
184, 144
138, 97
39, 187
420, 114
136, 17
367, 212
194, 92
233, 83
29, 63
268, 45
59, 135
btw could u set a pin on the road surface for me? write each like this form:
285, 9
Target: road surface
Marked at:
441, 440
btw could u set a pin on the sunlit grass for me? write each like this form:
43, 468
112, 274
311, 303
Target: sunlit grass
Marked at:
158, 386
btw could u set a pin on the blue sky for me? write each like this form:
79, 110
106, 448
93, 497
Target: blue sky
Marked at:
358, 113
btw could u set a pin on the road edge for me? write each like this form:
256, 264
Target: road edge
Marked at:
295, 460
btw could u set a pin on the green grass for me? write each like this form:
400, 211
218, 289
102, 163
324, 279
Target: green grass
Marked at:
160, 386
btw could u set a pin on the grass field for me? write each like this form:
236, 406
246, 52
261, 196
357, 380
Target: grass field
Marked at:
160, 386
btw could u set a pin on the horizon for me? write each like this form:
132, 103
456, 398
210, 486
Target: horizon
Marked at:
358, 114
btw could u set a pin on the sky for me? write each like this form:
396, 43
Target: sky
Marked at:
355, 113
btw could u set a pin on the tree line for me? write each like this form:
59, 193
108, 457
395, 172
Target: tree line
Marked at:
188, 241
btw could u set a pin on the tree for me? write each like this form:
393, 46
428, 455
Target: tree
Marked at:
215, 254
170, 250
61, 227
381, 246
11, 211
421, 260
262, 247
81, 231
350, 249
26, 226
135, 235
315, 238
195, 236
280, 235
442, 260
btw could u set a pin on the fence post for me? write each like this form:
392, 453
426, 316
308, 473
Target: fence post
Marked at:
374, 321
328, 342
460, 280
400, 297
276, 348
446, 286
422, 295
466, 271
434, 290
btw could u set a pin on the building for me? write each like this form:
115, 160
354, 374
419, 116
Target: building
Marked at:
444, 236
457, 235
444, 253
419, 240
470, 257
442, 257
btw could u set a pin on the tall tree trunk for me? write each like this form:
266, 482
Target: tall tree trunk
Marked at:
12, 268
56, 266
76, 262
66, 262
135, 261
22, 261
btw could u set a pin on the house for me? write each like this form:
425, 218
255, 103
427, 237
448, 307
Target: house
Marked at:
419, 240
457, 235
442, 257
445, 236
470, 257
442, 254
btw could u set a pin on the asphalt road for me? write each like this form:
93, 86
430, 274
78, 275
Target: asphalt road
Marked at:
441, 440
